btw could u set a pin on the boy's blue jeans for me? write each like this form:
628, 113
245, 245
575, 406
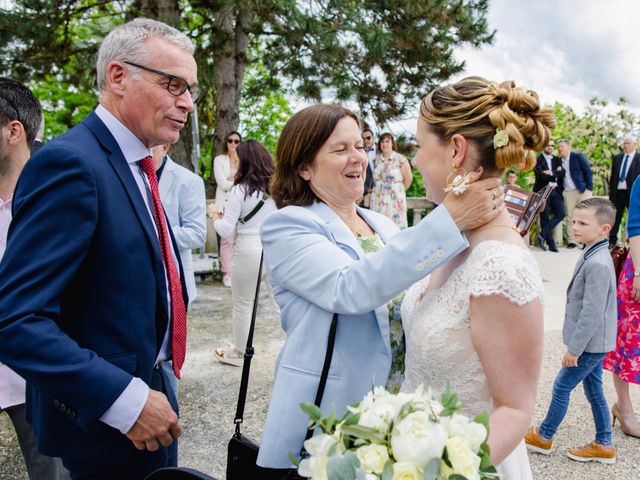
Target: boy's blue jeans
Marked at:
589, 372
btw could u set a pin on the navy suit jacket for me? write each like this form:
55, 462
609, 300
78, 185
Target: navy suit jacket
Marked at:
83, 304
580, 171
633, 170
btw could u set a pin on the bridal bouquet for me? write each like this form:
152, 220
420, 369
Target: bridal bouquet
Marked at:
398, 437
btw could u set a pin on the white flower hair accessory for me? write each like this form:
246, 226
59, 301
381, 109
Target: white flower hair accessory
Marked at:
500, 139
459, 184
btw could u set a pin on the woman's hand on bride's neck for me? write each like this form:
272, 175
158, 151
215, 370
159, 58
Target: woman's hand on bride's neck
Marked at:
501, 228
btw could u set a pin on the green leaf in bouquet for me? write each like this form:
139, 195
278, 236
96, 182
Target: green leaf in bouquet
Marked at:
294, 459
313, 411
483, 419
358, 431
432, 469
351, 419
449, 399
457, 476
343, 467
485, 458
387, 473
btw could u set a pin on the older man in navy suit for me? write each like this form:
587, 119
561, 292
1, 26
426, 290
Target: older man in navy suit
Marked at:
577, 183
92, 299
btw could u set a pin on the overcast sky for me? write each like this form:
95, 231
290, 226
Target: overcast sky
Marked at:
566, 50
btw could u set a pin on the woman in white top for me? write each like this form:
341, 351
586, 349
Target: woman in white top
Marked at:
248, 204
225, 167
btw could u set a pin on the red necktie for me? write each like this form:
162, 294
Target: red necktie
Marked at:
178, 312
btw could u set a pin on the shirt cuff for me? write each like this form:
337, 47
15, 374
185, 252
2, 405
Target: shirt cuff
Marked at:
124, 412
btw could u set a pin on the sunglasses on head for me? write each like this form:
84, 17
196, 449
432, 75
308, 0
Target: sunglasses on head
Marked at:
233, 140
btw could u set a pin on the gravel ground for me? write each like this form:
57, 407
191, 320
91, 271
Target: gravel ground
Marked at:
209, 389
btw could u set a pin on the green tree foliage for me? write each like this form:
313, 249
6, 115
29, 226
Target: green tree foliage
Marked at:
381, 55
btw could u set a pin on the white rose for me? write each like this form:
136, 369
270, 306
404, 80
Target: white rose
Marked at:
463, 460
372, 458
406, 471
319, 445
315, 466
417, 439
382, 411
460, 426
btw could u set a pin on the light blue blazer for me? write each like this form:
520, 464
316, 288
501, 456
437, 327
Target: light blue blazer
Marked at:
184, 201
317, 267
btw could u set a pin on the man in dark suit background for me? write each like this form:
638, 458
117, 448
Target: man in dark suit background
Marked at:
577, 184
370, 150
624, 171
548, 171
92, 297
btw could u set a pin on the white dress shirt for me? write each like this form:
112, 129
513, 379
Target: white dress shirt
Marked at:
12, 385
568, 181
549, 160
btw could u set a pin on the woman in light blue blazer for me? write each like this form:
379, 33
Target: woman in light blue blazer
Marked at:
315, 257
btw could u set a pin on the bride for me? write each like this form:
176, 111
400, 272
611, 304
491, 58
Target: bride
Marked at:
476, 322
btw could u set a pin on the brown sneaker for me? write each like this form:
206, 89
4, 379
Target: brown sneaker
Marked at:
536, 443
594, 452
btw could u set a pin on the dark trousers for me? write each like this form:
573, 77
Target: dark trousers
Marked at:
552, 215
39, 466
140, 462
621, 201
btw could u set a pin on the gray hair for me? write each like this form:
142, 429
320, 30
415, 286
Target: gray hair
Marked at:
629, 137
126, 42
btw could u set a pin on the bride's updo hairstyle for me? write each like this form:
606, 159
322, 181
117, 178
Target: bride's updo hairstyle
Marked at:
506, 124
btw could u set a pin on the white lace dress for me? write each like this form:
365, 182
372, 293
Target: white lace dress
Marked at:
439, 347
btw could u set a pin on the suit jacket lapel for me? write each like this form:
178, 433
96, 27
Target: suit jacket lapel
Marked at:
341, 233
343, 236
123, 172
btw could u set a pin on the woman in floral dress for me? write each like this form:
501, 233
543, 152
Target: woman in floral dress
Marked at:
392, 178
624, 361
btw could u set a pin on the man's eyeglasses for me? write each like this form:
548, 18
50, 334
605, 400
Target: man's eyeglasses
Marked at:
367, 137
176, 86
233, 140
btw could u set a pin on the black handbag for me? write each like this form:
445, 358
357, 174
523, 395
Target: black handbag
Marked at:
242, 452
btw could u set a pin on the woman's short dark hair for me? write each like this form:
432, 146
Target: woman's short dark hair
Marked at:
226, 144
302, 137
389, 136
256, 167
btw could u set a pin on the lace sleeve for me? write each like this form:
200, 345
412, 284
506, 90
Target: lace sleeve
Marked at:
503, 269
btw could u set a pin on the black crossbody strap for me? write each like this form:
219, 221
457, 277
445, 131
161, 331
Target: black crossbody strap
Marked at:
255, 210
325, 368
248, 353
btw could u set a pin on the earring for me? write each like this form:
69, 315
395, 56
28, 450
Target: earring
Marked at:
459, 183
